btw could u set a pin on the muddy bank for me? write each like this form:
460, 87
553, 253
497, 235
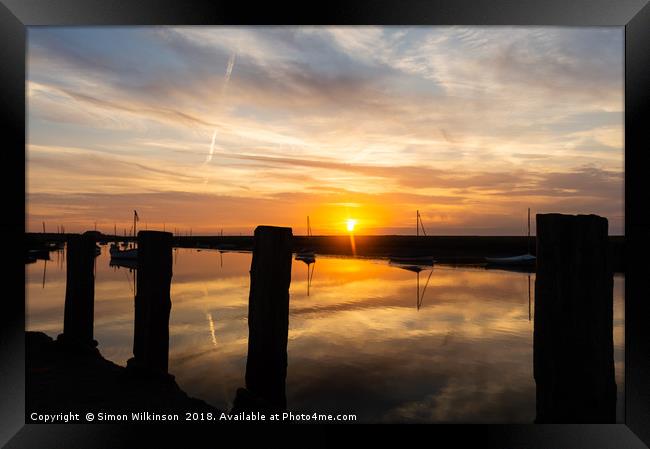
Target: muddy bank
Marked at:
61, 379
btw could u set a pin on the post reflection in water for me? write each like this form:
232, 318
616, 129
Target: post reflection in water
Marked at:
78, 321
356, 343
268, 321
152, 304
573, 336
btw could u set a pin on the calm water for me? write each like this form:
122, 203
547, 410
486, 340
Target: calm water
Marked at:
358, 342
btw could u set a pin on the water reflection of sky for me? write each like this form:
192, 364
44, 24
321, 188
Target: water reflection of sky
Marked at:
357, 342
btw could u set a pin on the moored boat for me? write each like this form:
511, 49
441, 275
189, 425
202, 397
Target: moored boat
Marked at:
117, 253
126, 253
524, 260
53, 246
42, 254
412, 260
308, 257
125, 263
411, 267
404, 260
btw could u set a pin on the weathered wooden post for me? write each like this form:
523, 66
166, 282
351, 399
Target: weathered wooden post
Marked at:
573, 340
78, 315
268, 315
152, 303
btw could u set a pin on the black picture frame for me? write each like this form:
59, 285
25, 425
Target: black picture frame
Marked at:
634, 15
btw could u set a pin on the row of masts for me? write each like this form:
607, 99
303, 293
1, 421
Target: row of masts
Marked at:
419, 225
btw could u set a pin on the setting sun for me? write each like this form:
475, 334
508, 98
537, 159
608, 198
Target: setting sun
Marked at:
221, 146
252, 153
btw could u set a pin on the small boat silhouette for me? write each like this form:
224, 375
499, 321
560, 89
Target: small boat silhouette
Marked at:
524, 260
127, 253
414, 259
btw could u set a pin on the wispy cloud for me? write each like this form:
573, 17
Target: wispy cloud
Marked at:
495, 118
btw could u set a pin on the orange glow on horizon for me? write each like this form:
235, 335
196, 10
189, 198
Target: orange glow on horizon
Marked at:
232, 149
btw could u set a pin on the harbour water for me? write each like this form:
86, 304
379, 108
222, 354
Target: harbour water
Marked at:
451, 344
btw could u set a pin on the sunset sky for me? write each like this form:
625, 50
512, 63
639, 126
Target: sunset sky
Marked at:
214, 128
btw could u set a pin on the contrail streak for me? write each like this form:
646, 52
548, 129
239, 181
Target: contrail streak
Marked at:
231, 65
214, 138
212, 332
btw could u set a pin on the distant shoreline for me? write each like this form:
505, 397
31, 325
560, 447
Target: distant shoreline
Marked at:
444, 249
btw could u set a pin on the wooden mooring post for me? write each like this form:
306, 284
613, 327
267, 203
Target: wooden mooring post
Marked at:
573, 329
268, 315
152, 303
79, 309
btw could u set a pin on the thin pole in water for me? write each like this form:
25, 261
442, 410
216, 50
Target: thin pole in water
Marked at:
421, 298
417, 294
44, 270
529, 316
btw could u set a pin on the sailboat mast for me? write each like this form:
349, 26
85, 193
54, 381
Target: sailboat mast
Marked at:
417, 223
528, 240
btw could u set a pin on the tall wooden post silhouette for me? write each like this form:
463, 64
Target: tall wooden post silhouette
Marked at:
78, 316
573, 339
268, 315
152, 303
